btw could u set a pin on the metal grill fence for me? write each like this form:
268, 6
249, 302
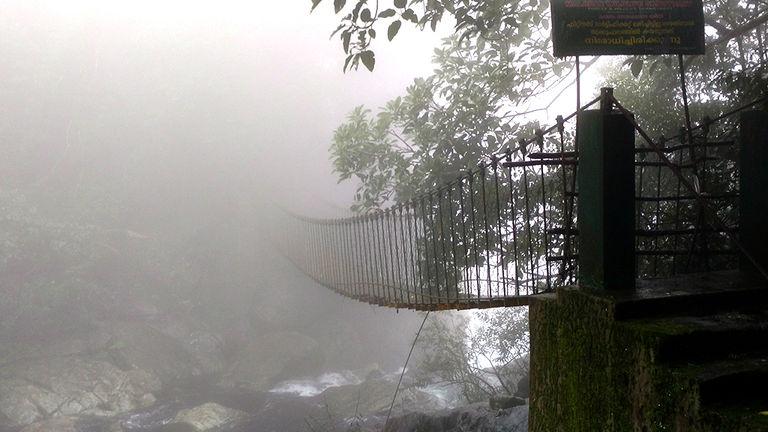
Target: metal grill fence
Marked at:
672, 235
687, 198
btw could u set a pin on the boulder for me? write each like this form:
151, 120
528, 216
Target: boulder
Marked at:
505, 402
57, 424
523, 387
69, 386
207, 349
210, 417
176, 427
476, 418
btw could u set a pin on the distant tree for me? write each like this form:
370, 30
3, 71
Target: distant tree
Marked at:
484, 359
444, 123
474, 102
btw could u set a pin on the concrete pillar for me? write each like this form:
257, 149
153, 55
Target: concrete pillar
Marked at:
753, 186
606, 210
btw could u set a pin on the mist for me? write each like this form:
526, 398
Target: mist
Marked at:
227, 216
145, 143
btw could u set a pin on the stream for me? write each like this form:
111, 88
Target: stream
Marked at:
285, 408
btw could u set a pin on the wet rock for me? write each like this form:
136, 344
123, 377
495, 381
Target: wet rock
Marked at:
210, 417
69, 386
177, 427
505, 402
271, 358
523, 387
374, 374
373, 396
57, 424
476, 418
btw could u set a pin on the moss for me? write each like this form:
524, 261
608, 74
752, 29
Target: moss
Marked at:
737, 419
572, 367
591, 373
661, 327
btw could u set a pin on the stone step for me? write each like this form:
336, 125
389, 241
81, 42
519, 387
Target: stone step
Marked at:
733, 394
739, 380
690, 295
700, 339
749, 416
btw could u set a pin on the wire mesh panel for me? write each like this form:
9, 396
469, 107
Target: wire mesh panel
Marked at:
687, 198
672, 233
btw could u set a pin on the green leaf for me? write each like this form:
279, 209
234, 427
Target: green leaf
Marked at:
368, 59
636, 67
338, 29
365, 15
346, 62
410, 15
315, 3
345, 38
393, 29
387, 13
339, 5
400, 4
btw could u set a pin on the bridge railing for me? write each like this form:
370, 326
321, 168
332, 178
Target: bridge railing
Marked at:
509, 229
494, 236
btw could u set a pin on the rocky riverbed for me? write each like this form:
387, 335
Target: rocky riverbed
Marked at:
348, 407
157, 375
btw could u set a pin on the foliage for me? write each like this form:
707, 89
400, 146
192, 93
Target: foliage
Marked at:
499, 20
444, 124
472, 107
484, 358
736, 51
67, 270
662, 117
449, 121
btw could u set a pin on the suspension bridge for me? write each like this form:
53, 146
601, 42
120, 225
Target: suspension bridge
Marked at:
603, 204
642, 260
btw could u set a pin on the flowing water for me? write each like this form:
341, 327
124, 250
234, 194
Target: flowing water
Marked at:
284, 408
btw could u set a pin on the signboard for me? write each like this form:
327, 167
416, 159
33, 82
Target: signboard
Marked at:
626, 27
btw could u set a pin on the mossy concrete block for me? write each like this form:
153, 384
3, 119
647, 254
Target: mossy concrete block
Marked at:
592, 373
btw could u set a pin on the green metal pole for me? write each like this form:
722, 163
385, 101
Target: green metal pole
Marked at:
753, 181
606, 184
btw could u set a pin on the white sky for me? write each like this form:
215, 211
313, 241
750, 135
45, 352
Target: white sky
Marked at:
295, 71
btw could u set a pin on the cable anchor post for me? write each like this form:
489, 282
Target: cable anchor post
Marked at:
540, 139
606, 100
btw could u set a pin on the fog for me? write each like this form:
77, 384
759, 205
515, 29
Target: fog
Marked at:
143, 144
227, 97
167, 181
